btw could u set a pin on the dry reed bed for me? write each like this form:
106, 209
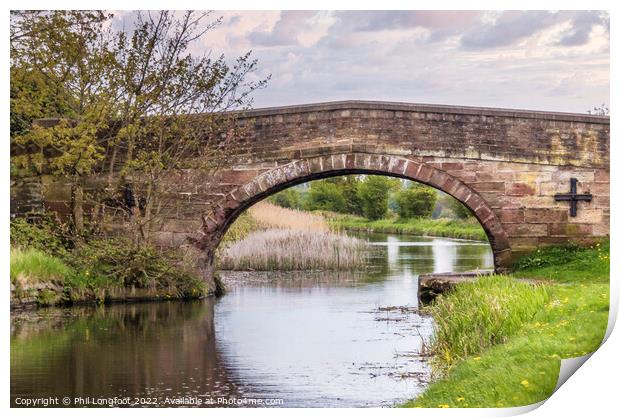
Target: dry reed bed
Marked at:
288, 249
272, 216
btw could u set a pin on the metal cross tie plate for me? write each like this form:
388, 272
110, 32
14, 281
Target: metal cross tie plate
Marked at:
573, 197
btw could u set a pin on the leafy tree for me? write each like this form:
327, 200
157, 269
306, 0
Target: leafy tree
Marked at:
59, 67
288, 198
373, 193
136, 100
353, 202
325, 195
416, 202
183, 98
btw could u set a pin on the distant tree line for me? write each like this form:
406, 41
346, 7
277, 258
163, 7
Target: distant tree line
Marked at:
373, 197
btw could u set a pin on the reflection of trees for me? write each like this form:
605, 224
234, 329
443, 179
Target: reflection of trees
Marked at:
473, 256
119, 350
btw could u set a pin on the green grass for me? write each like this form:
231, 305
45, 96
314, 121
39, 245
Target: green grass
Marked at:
453, 228
34, 266
481, 314
522, 367
569, 264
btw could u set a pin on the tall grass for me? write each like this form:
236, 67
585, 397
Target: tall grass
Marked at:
524, 369
286, 249
480, 314
34, 266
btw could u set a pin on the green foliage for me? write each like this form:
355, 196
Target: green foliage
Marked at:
32, 265
288, 198
325, 195
416, 202
121, 263
94, 267
45, 234
62, 150
336, 194
373, 193
349, 186
60, 61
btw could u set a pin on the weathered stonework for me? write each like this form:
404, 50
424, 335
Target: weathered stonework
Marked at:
505, 165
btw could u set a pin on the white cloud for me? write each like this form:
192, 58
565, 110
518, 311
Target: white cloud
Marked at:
537, 60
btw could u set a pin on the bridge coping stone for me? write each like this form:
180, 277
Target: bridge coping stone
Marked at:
425, 108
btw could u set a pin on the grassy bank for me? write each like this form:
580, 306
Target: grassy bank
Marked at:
452, 228
47, 270
499, 349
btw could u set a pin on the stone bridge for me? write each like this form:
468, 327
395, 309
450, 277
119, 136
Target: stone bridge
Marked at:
505, 165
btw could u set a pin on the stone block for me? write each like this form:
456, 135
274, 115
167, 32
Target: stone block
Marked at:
511, 215
526, 230
545, 215
520, 189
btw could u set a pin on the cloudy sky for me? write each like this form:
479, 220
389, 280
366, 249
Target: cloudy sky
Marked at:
518, 59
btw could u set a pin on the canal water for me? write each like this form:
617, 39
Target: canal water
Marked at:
320, 339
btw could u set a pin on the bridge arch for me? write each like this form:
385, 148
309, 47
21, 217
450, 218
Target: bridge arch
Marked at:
217, 222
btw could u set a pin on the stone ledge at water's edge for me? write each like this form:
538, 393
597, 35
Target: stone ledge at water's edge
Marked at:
432, 285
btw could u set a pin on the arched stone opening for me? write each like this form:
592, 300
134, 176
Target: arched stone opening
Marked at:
226, 211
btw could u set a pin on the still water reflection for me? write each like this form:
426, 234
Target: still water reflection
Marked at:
310, 339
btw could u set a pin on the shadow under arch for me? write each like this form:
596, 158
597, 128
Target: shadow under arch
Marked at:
225, 212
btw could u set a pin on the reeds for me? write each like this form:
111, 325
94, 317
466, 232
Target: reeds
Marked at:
294, 249
272, 216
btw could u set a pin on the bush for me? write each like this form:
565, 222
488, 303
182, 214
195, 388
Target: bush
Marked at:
416, 202
42, 234
119, 262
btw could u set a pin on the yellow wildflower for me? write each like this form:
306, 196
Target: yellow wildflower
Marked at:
525, 383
